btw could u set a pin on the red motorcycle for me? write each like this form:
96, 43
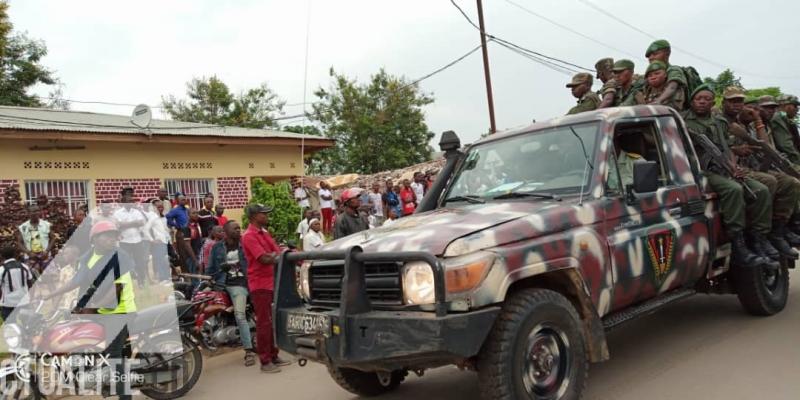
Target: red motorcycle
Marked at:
215, 324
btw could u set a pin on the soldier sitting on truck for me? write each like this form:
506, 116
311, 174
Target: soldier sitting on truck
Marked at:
731, 189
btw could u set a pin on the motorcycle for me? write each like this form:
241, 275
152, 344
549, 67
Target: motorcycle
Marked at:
164, 364
215, 323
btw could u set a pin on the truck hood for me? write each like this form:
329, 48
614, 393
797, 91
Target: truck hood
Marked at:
433, 231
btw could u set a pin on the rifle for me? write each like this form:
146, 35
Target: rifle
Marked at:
719, 159
772, 157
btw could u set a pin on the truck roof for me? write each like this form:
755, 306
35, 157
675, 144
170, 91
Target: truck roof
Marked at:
604, 115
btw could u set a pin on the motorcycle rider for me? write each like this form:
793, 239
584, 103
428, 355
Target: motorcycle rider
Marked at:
227, 266
116, 303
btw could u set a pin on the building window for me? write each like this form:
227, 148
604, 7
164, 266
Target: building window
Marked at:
194, 189
74, 193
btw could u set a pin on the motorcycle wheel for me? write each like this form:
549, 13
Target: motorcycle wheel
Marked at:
190, 366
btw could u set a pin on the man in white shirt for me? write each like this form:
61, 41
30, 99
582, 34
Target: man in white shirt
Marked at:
301, 195
313, 238
302, 227
326, 206
418, 186
158, 234
15, 280
130, 221
35, 238
376, 202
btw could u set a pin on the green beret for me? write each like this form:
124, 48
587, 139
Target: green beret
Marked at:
660, 44
621, 65
751, 100
655, 66
702, 88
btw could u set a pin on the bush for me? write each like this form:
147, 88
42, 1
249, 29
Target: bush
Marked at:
285, 214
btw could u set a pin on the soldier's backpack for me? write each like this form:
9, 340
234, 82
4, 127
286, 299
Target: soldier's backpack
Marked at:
693, 79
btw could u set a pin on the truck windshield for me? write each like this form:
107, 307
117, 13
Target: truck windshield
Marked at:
546, 162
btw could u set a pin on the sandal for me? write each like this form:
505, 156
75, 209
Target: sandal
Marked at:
249, 358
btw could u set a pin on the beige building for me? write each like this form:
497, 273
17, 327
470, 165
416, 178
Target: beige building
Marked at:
89, 157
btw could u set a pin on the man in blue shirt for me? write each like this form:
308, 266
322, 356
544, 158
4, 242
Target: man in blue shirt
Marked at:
178, 217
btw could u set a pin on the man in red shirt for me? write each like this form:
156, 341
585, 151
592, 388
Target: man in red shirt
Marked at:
262, 253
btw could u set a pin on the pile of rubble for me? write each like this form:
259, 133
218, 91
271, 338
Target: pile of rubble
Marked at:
341, 182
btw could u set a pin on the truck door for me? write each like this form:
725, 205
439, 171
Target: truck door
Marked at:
644, 231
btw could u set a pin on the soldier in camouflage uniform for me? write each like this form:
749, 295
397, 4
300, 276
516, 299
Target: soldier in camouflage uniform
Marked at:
733, 207
605, 73
625, 161
784, 130
581, 86
660, 50
656, 83
624, 91
784, 189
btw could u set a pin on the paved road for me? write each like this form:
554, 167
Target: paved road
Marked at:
701, 348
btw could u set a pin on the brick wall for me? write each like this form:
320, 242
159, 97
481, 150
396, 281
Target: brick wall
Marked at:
233, 191
6, 183
109, 189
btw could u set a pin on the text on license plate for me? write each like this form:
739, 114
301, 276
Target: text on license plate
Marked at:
308, 323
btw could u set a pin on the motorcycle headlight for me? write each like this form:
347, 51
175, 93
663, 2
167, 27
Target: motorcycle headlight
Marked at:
304, 288
12, 335
418, 283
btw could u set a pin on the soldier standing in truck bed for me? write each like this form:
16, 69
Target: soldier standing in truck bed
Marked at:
733, 207
626, 92
784, 130
677, 79
655, 85
784, 189
581, 86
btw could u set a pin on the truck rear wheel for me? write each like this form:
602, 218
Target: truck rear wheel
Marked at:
366, 384
536, 350
760, 292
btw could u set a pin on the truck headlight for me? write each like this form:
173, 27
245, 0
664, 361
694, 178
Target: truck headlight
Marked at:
418, 283
12, 335
304, 287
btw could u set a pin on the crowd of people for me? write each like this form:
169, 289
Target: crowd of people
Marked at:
759, 197
357, 208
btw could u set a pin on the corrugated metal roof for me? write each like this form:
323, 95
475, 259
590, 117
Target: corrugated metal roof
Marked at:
43, 119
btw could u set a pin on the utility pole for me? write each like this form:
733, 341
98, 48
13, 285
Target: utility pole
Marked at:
492, 125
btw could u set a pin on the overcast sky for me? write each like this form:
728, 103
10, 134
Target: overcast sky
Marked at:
137, 51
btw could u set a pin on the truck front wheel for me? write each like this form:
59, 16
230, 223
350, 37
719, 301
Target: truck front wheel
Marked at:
366, 384
535, 351
761, 292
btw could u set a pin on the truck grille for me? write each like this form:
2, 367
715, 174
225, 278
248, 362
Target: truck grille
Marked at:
382, 279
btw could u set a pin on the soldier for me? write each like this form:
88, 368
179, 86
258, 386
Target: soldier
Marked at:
625, 160
581, 86
605, 72
730, 189
784, 189
677, 80
784, 130
656, 83
624, 92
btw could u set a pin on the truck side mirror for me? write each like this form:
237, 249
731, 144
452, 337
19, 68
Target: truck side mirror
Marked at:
645, 176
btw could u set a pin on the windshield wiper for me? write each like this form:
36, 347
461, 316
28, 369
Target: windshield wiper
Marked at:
514, 195
470, 198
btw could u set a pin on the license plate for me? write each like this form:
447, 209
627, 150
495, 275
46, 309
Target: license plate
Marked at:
308, 323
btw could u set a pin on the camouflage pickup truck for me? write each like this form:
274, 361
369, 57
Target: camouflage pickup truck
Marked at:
530, 246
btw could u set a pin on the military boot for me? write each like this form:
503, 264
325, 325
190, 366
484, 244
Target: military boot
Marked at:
741, 255
792, 238
794, 224
778, 240
764, 247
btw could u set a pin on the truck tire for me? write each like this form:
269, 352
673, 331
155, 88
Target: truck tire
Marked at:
536, 350
762, 293
365, 384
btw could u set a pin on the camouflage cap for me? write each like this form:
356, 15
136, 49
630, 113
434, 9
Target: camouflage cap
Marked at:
767, 101
788, 99
580, 79
702, 88
621, 65
660, 44
655, 66
604, 64
733, 92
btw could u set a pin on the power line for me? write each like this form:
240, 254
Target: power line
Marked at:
521, 48
105, 103
553, 66
687, 52
450, 64
566, 28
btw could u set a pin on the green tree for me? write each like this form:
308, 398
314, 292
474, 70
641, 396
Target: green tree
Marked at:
319, 163
285, 216
724, 79
212, 102
377, 126
20, 68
